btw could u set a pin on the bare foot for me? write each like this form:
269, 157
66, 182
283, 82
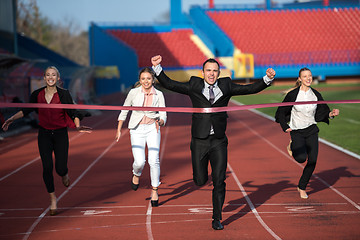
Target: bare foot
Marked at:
154, 194
53, 204
66, 180
303, 194
288, 148
136, 179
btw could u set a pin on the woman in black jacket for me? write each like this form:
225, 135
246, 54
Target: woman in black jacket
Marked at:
300, 121
53, 134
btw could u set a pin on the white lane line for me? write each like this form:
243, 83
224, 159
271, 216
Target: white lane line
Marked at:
148, 222
293, 160
299, 204
351, 120
171, 206
341, 149
290, 211
338, 192
29, 231
253, 209
105, 226
21, 209
38, 157
314, 175
18, 143
20, 168
149, 210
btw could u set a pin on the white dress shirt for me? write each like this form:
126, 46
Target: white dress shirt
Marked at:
217, 91
302, 116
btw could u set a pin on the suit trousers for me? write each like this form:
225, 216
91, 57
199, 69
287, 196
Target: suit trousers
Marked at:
214, 150
305, 146
56, 141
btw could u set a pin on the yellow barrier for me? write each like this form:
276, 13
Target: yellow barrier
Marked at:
243, 65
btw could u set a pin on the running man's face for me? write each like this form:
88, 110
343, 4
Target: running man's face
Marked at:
146, 80
211, 72
306, 78
51, 77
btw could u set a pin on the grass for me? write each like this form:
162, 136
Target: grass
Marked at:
343, 131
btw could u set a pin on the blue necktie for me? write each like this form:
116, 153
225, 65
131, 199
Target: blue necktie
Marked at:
211, 94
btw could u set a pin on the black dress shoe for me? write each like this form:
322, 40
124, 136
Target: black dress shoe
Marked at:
216, 225
133, 185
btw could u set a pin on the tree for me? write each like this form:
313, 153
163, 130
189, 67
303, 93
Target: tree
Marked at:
64, 38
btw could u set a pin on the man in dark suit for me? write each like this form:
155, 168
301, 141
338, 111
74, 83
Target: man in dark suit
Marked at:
209, 142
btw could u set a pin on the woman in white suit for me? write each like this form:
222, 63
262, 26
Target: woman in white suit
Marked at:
145, 129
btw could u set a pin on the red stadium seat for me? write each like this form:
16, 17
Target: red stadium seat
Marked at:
294, 36
176, 46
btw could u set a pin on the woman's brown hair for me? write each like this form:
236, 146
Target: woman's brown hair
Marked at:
297, 83
148, 70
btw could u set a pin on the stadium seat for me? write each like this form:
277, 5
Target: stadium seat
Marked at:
324, 35
175, 46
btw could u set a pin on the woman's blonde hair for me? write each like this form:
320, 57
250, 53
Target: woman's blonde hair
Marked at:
52, 67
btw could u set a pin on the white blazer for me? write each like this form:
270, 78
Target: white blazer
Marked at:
136, 98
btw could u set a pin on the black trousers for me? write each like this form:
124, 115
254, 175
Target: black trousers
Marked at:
214, 150
305, 146
57, 142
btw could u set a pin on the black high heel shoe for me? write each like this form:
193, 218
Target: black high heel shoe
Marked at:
155, 203
133, 185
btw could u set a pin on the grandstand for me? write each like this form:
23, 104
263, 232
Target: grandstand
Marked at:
324, 38
170, 44
246, 39
301, 36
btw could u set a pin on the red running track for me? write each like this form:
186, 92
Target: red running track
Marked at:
261, 200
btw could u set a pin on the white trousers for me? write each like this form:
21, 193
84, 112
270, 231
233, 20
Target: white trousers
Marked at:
141, 136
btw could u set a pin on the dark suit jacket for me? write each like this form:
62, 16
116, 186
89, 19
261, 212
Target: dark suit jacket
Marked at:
283, 113
201, 122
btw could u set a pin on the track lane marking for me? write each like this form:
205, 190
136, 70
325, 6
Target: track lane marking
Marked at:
208, 213
172, 206
314, 175
341, 149
38, 157
293, 160
149, 210
105, 226
251, 205
17, 143
32, 227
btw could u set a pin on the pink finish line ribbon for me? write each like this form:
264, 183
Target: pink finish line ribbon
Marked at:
168, 109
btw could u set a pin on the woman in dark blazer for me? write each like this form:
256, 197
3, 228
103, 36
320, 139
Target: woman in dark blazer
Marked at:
300, 121
53, 134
